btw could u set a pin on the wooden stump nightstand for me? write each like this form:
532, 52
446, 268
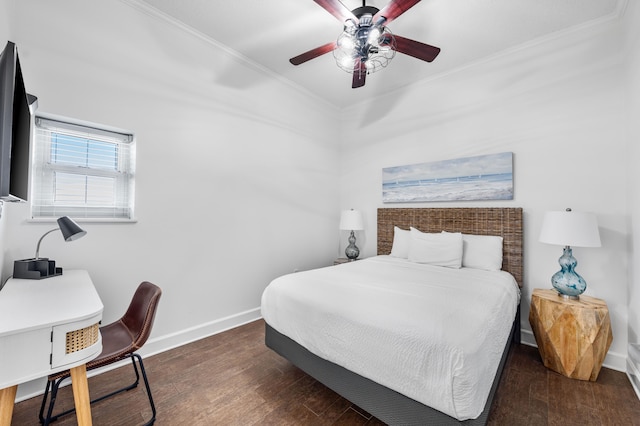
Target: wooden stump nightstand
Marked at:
342, 260
573, 336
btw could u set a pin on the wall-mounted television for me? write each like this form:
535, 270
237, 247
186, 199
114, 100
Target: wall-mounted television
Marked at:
16, 109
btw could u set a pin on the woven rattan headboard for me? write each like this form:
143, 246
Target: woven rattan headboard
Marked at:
505, 222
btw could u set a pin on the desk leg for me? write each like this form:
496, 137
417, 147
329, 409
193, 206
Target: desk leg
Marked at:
7, 399
81, 394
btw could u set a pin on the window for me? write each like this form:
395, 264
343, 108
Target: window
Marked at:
82, 171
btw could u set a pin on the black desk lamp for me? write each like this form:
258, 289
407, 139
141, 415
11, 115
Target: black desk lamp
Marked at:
42, 267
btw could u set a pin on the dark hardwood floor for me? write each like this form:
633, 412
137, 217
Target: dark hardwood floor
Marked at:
233, 379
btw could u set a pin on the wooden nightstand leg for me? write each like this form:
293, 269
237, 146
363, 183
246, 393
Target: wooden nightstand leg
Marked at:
81, 398
7, 399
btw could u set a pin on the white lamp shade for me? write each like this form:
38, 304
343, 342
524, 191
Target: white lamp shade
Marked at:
351, 220
570, 228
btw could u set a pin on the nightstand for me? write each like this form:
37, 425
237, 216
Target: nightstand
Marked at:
573, 336
342, 260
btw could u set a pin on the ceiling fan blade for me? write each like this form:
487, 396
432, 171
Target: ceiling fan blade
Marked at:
337, 9
359, 74
416, 49
313, 53
394, 9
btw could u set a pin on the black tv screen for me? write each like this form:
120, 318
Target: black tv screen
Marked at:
15, 127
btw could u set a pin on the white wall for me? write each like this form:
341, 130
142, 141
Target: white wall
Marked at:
559, 107
5, 22
236, 171
632, 19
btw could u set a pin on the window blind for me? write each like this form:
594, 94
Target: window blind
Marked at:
82, 171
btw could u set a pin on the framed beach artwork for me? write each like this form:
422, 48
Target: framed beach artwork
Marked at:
484, 177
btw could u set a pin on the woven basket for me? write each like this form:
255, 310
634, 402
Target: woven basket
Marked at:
80, 339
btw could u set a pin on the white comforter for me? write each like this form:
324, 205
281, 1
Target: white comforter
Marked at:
431, 333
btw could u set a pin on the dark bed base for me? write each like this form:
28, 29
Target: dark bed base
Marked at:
385, 404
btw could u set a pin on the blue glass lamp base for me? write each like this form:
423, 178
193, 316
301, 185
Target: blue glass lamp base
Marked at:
566, 281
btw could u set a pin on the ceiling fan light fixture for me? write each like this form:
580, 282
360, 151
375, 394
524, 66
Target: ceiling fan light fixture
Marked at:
374, 36
346, 63
373, 46
374, 55
346, 42
350, 26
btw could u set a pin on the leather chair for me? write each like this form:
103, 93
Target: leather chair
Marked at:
120, 340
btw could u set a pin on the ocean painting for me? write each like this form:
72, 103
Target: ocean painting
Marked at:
485, 177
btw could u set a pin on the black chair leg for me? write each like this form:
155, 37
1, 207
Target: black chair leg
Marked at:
54, 385
44, 402
146, 384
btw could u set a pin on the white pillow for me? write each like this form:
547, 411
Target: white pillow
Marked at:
482, 252
401, 238
440, 249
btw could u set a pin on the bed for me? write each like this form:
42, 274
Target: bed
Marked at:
381, 369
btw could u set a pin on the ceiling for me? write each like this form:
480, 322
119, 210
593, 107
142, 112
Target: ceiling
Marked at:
268, 33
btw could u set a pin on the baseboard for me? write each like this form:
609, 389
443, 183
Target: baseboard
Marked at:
526, 338
633, 367
170, 341
613, 360
157, 345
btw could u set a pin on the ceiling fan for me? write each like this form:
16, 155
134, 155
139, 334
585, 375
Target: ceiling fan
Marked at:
366, 45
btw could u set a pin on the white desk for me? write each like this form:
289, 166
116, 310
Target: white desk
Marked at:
47, 326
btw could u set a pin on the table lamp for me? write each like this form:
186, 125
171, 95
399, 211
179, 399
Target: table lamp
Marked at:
351, 220
39, 267
569, 228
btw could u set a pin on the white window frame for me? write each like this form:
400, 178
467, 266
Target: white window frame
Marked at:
43, 203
